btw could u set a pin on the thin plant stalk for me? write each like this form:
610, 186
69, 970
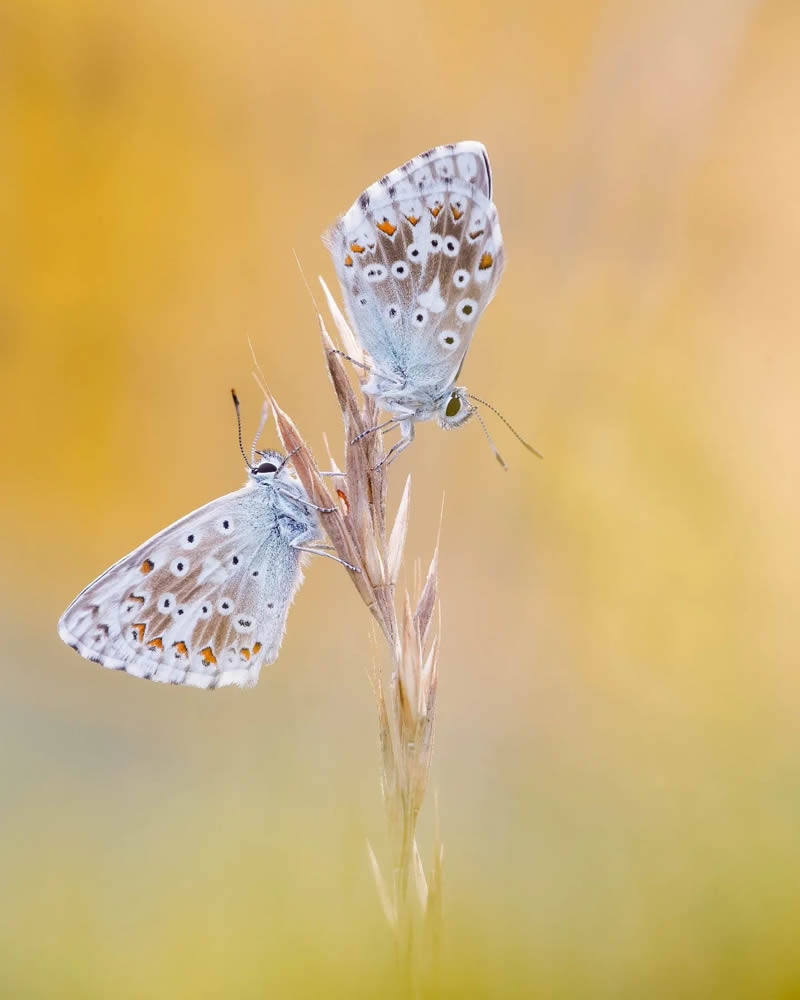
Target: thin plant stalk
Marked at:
360, 533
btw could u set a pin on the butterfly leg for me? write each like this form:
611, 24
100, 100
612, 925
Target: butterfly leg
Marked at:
359, 364
307, 503
321, 552
371, 430
407, 426
310, 535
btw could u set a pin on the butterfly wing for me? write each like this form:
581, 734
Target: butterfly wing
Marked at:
419, 256
203, 602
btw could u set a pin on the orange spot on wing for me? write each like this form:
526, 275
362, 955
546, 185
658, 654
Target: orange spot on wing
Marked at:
156, 643
348, 261
147, 566
474, 235
245, 653
387, 227
256, 648
356, 248
435, 210
486, 261
138, 631
413, 219
343, 496
136, 597
208, 655
456, 212
180, 648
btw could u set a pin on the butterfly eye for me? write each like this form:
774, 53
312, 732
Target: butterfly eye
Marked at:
453, 406
267, 467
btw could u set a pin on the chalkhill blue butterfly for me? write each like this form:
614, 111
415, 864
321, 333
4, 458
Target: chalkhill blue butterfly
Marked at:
419, 256
205, 601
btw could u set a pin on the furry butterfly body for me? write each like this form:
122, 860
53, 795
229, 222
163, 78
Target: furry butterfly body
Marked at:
419, 256
205, 601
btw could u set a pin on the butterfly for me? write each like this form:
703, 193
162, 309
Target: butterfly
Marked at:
205, 601
419, 256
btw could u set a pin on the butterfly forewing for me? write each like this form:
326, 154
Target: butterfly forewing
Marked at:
419, 256
203, 602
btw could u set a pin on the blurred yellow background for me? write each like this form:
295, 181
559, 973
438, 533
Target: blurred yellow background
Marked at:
617, 759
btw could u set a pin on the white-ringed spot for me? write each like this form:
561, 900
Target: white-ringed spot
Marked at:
179, 567
450, 246
449, 339
466, 310
374, 273
166, 604
400, 269
419, 317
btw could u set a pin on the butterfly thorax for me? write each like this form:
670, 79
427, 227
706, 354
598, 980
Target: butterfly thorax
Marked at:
406, 399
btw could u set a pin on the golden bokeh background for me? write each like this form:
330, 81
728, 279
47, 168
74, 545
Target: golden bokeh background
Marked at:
617, 761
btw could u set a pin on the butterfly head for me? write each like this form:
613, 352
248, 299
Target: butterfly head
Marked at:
455, 409
270, 465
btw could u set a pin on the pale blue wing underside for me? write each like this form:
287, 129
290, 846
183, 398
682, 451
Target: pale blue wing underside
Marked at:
419, 255
202, 603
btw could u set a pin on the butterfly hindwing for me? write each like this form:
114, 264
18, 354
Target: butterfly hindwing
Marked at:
419, 255
203, 602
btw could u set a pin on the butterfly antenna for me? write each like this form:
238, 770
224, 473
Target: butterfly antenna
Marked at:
261, 423
287, 457
492, 445
516, 434
239, 429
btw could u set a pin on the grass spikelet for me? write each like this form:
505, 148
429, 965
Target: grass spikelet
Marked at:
405, 696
